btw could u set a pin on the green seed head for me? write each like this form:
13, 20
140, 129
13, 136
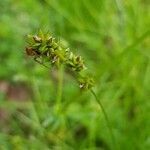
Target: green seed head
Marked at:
47, 49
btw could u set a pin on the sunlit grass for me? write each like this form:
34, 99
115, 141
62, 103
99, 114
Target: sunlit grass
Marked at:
113, 37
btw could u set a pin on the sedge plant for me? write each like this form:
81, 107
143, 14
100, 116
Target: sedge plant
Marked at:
49, 52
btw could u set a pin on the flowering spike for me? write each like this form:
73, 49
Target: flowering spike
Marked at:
46, 49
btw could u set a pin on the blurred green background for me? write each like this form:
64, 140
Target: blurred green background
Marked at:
113, 37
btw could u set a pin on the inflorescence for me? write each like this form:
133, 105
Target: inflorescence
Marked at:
47, 50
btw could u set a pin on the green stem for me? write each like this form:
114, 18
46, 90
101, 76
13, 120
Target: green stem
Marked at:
105, 116
59, 91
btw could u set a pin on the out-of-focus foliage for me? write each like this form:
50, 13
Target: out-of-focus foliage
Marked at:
113, 37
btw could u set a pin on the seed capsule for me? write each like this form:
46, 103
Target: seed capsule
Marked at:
37, 39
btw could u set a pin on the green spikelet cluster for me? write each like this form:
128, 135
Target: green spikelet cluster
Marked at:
45, 49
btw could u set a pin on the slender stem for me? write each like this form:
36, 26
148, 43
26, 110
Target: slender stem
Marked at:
106, 117
59, 90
